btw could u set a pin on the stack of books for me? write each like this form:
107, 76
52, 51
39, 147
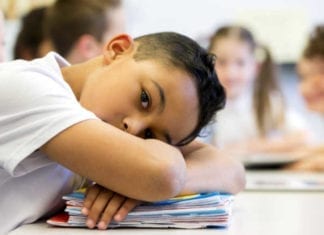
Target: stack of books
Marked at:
192, 211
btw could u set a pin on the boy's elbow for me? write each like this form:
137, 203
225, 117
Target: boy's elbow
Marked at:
239, 180
173, 181
170, 179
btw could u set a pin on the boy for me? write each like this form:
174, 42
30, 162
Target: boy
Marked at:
107, 120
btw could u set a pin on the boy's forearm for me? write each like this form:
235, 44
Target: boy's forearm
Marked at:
210, 170
147, 170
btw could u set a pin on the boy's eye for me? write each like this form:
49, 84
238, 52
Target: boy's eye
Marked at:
148, 134
145, 99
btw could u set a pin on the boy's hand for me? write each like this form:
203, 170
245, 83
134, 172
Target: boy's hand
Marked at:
102, 205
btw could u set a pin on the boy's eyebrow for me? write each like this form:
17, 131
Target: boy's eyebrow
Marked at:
162, 106
161, 93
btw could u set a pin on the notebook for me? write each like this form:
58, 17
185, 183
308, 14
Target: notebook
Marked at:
191, 211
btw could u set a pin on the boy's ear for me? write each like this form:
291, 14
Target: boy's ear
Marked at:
119, 45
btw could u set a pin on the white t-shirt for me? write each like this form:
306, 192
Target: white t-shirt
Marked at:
35, 105
236, 123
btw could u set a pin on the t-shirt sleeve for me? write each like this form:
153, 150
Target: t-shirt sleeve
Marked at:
33, 109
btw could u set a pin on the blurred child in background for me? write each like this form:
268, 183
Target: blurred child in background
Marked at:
31, 43
255, 119
311, 71
78, 29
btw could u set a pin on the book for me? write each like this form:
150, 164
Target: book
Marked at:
202, 210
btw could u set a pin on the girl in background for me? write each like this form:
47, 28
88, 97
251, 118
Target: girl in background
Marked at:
311, 72
255, 119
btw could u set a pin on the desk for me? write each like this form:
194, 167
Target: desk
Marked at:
254, 213
271, 180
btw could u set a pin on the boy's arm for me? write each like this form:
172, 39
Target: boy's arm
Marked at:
147, 170
209, 170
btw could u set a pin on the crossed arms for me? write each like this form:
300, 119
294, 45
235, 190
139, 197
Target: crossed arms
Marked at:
142, 169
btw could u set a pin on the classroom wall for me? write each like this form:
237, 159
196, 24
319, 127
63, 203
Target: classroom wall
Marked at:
283, 25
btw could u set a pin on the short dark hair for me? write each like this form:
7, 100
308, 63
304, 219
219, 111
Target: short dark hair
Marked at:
67, 20
31, 34
184, 53
315, 44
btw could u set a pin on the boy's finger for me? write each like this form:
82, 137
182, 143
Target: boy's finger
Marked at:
91, 195
98, 207
111, 209
123, 211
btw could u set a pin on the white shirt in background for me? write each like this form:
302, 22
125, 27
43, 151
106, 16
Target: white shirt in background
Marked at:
236, 122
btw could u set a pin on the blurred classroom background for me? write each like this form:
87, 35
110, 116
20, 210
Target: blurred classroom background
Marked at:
281, 25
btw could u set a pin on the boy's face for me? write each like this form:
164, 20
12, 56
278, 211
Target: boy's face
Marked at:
145, 98
311, 85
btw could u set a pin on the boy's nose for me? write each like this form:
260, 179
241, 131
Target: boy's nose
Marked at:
134, 126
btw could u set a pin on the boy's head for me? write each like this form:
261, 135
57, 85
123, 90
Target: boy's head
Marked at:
311, 71
78, 29
159, 86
